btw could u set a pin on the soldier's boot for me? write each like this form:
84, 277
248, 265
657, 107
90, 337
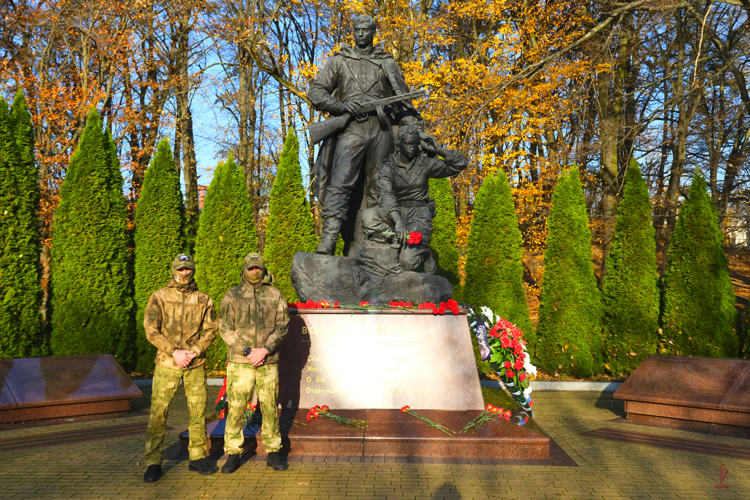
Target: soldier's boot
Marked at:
153, 473
430, 266
202, 467
233, 463
330, 236
277, 461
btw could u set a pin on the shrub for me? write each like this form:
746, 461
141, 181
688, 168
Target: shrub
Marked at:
92, 295
699, 315
21, 333
444, 236
494, 266
631, 296
290, 227
159, 236
569, 329
225, 235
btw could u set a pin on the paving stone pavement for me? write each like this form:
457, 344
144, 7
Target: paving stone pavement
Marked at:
113, 468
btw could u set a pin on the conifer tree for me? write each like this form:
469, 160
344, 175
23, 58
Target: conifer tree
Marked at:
92, 296
20, 288
494, 269
569, 329
699, 317
631, 296
444, 235
225, 235
159, 236
290, 227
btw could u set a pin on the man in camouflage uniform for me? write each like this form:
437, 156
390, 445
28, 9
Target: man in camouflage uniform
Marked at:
180, 321
253, 321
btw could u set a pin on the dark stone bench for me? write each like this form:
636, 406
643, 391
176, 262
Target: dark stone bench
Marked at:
687, 392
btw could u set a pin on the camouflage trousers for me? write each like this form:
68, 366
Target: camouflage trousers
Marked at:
164, 387
241, 379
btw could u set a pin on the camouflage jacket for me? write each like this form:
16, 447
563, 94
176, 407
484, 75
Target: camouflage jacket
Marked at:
253, 317
180, 317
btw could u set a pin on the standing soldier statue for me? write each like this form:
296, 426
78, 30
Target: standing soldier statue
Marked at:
175, 316
253, 322
364, 91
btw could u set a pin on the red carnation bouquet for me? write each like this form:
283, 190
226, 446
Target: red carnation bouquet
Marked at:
510, 359
318, 411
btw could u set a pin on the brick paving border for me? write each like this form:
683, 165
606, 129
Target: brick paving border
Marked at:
113, 468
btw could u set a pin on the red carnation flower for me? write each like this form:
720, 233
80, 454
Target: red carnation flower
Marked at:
518, 365
509, 374
489, 407
521, 377
505, 342
414, 238
507, 364
405, 409
364, 303
503, 324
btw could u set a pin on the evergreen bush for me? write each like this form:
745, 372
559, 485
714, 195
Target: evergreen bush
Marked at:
290, 226
159, 236
570, 311
225, 235
494, 266
92, 295
631, 296
444, 235
699, 317
20, 286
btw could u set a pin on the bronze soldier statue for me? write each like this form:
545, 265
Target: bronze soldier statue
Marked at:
352, 78
404, 202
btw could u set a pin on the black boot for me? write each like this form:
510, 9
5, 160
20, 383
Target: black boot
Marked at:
277, 461
202, 467
233, 463
329, 236
153, 473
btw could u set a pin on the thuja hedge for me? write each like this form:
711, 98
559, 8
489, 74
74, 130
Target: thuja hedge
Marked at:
569, 329
290, 228
444, 236
699, 317
225, 235
92, 294
494, 267
159, 236
630, 292
20, 287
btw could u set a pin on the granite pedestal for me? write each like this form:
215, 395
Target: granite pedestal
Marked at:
366, 365
390, 433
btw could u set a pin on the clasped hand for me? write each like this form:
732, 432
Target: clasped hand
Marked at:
257, 356
183, 358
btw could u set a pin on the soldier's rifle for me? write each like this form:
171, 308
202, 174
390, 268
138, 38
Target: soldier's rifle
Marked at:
331, 126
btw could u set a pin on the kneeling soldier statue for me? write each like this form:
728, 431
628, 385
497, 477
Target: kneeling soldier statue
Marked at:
253, 321
404, 203
175, 316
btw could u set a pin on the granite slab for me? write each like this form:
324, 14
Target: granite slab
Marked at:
63, 386
392, 433
681, 388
